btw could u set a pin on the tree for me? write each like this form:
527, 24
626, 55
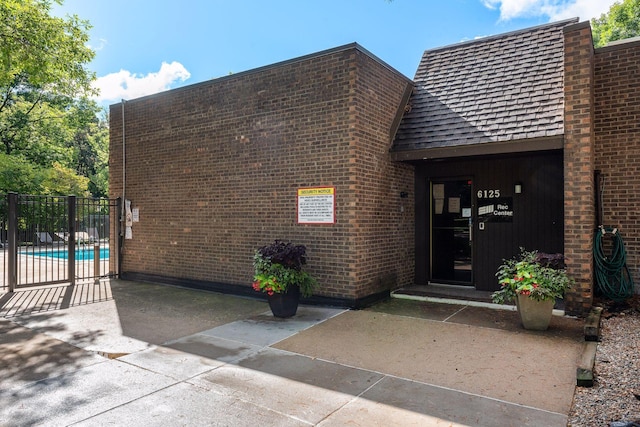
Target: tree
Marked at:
18, 175
21, 176
91, 152
45, 112
621, 22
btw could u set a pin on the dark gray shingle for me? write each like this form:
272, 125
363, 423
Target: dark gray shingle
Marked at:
501, 88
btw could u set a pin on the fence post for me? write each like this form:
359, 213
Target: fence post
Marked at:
71, 226
96, 262
119, 236
12, 253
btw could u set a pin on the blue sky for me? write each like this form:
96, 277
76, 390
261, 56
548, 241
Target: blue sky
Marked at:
144, 47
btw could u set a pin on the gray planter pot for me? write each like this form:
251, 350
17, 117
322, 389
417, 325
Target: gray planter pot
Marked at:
535, 315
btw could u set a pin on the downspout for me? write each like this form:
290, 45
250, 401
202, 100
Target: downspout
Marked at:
124, 174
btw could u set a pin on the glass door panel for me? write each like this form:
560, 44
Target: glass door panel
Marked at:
451, 232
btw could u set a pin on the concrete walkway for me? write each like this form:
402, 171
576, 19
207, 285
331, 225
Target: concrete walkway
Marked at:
123, 353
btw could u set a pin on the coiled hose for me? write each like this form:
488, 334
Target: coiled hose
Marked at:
612, 274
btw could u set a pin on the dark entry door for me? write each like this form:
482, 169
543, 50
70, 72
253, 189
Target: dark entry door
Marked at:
451, 232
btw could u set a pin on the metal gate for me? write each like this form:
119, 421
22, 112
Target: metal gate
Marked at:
57, 239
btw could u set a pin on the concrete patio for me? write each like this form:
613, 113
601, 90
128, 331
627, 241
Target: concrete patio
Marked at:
130, 353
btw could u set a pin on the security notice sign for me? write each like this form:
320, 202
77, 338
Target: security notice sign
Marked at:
316, 205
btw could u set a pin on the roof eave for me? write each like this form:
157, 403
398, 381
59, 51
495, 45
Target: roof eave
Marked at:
406, 96
489, 148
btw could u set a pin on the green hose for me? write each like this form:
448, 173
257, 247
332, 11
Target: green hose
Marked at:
612, 274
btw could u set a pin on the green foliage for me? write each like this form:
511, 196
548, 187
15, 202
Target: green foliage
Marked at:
18, 175
90, 147
47, 121
39, 52
278, 266
532, 275
60, 180
621, 22
99, 142
40, 135
22, 176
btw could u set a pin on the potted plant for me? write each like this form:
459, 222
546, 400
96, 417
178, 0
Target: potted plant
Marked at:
534, 280
279, 273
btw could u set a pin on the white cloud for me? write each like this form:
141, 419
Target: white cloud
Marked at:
127, 85
101, 44
585, 9
555, 10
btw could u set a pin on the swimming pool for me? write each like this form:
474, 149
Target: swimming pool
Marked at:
82, 254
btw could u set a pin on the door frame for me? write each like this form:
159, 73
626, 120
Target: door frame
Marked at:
430, 180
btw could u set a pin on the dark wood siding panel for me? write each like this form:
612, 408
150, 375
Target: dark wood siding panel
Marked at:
537, 212
421, 227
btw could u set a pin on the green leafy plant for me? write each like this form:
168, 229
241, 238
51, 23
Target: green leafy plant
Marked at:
278, 266
537, 275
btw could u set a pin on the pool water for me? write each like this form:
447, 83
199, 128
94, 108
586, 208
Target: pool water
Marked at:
62, 253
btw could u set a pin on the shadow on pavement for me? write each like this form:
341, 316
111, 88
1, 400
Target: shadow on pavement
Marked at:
397, 357
159, 313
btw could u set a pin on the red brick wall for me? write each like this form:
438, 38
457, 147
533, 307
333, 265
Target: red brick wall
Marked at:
617, 138
579, 159
214, 169
384, 221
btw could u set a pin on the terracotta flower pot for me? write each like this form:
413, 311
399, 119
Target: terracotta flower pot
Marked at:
285, 304
535, 315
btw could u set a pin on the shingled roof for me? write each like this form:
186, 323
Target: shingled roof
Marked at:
504, 88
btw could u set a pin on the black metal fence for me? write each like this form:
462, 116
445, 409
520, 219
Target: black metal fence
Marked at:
57, 239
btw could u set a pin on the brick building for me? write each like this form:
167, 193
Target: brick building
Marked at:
214, 170
493, 146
